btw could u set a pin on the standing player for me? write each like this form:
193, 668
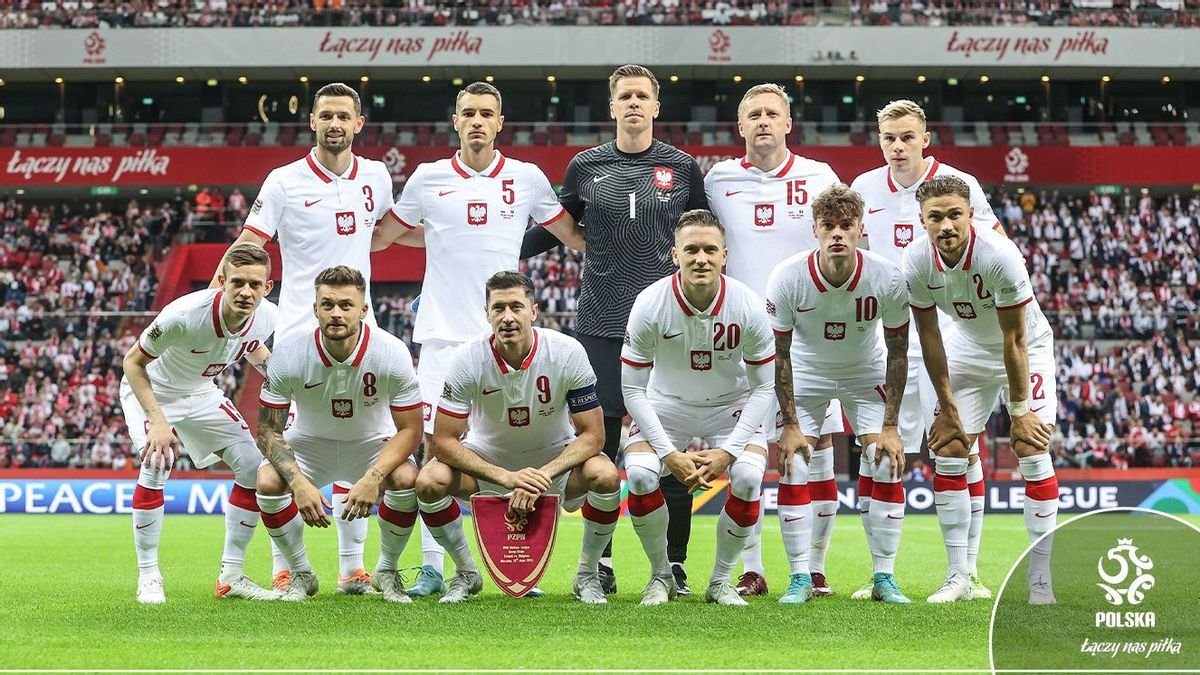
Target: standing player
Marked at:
837, 353
171, 405
627, 195
526, 399
764, 202
475, 207
358, 419
892, 221
697, 362
324, 209
1002, 342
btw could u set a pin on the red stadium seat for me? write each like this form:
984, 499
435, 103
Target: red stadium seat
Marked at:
287, 134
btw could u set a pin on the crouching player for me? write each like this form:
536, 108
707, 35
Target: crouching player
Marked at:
697, 361
827, 306
358, 419
171, 405
526, 399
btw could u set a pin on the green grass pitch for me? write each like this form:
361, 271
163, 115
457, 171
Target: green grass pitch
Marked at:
67, 601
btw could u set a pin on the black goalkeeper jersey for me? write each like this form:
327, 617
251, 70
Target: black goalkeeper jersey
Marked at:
628, 205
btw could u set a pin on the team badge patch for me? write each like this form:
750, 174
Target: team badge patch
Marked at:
342, 408
258, 204
764, 215
664, 177
835, 330
155, 332
516, 547
902, 234
447, 390
964, 310
477, 213
518, 417
345, 223
701, 359
213, 369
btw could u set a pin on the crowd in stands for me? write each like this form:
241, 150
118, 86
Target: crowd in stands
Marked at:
255, 13
1116, 274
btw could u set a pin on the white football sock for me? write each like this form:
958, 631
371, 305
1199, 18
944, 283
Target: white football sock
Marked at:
752, 560
241, 520
740, 514
432, 554
351, 534
283, 523
796, 515
1041, 507
648, 509
397, 515
886, 516
147, 520
953, 506
975, 535
444, 520
823, 491
600, 513
866, 484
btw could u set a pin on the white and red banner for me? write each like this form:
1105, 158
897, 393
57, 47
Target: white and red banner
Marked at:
140, 167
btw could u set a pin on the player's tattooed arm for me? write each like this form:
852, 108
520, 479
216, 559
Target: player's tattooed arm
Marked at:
784, 383
896, 376
260, 358
272, 445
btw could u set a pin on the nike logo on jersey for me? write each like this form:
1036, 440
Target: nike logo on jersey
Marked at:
672, 336
1035, 410
199, 351
597, 179
443, 193
310, 386
308, 203
730, 193
873, 211
935, 288
487, 392
142, 527
805, 309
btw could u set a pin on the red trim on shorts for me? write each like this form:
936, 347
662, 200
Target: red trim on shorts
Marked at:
767, 360
243, 498
742, 512
1024, 302
397, 518
595, 515
259, 232
404, 408
943, 483
865, 485
274, 521
277, 406
461, 416
793, 495
635, 364
898, 329
975, 489
892, 493
1044, 490
443, 517
923, 309
823, 490
641, 505
145, 499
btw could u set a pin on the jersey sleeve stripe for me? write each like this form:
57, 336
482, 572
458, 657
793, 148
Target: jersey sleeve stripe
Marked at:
767, 360
922, 309
553, 220
443, 411
257, 231
636, 364
902, 327
143, 350
401, 220
277, 406
402, 408
1024, 302
998, 227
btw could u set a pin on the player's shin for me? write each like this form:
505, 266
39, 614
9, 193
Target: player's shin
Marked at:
866, 484
823, 490
886, 517
351, 534
444, 520
241, 519
975, 489
752, 559
283, 523
397, 515
600, 512
147, 519
953, 506
796, 515
1041, 507
740, 514
648, 509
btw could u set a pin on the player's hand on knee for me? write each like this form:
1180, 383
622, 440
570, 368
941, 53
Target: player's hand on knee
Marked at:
890, 445
529, 479
710, 465
522, 501
791, 441
946, 434
162, 447
310, 503
361, 499
1031, 430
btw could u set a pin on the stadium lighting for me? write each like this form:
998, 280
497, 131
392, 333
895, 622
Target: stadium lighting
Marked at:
426, 78
488, 78
921, 79
179, 79
674, 78
1045, 78
304, 79
119, 80
457, 81
551, 78
243, 79
983, 79
737, 78
1, 81
1106, 79
211, 83
799, 78
859, 78
364, 78
1166, 79
952, 81
58, 80
20, 191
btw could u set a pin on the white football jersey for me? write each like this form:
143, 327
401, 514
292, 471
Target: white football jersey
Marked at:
892, 219
991, 276
698, 355
322, 220
345, 401
767, 214
474, 223
191, 344
513, 413
836, 329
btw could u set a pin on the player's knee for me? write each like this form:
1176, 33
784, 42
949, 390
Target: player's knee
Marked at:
433, 483
641, 471
1023, 449
746, 476
269, 482
825, 442
601, 475
243, 459
402, 477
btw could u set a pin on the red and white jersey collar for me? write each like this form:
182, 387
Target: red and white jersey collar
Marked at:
778, 172
326, 175
966, 259
503, 365
688, 309
814, 269
491, 170
218, 321
929, 173
364, 338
